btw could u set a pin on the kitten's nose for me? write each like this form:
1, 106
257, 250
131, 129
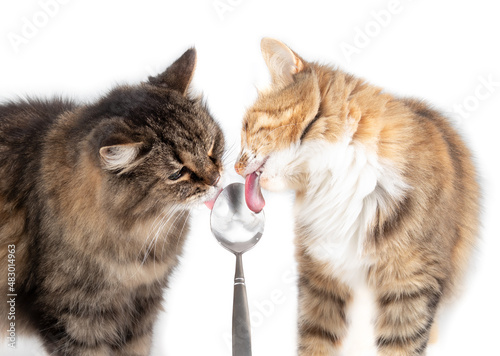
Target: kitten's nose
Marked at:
240, 164
216, 181
239, 167
213, 179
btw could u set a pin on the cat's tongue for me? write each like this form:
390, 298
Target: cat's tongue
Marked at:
253, 195
210, 203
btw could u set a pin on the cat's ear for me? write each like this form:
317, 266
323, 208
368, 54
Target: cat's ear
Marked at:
282, 62
119, 157
179, 74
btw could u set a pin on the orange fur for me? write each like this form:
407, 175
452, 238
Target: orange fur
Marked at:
418, 241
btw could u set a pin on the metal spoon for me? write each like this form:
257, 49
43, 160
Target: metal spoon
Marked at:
237, 229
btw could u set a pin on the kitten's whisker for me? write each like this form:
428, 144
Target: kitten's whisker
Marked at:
182, 229
179, 234
158, 233
165, 239
157, 219
229, 158
229, 151
173, 224
159, 222
156, 226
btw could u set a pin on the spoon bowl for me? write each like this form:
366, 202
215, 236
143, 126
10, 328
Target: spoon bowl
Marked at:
236, 227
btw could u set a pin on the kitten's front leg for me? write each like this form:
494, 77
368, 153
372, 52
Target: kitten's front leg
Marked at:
322, 310
406, 316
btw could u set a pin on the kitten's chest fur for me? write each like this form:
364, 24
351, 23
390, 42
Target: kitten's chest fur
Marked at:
347, 183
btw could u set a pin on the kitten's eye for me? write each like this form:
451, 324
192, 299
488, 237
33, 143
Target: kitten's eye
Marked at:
176, 175
308, 127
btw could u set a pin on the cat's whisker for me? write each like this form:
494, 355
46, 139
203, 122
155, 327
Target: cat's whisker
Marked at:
159, 230
154, 236
230, 148
156, 226
165, 239
173, 224
179, 234
157, 221
170, 228
172, 213
182, 229
229, 151
152, 227
229, 161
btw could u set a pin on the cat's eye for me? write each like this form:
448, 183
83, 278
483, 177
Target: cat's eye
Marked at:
176, 175
308, 127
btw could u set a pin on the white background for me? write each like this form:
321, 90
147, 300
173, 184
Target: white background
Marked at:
439, 51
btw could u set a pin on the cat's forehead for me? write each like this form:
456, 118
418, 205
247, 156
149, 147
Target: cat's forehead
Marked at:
277, 119
187, 141
190, 128
166, 117
280, 107
193, 133
259, 120
169, 115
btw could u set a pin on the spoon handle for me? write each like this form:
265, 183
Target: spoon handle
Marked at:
242, 345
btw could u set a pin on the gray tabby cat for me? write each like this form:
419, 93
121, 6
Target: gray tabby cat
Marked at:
94, 208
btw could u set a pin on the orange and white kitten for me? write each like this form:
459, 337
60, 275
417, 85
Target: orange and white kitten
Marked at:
386, 210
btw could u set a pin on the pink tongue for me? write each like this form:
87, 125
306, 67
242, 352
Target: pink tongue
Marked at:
253, 195
210, 203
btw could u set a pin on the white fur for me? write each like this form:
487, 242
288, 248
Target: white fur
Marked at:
339, 204
361, 313
347, 182
119, 156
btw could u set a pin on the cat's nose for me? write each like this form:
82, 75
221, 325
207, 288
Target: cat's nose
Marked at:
213, 179
239, 168
216, 180
240, 164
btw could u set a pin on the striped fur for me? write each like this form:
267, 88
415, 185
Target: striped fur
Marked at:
386, 196
96, 200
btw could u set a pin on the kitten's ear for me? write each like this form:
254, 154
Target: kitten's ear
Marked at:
179, 74
119, 157
282, 62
